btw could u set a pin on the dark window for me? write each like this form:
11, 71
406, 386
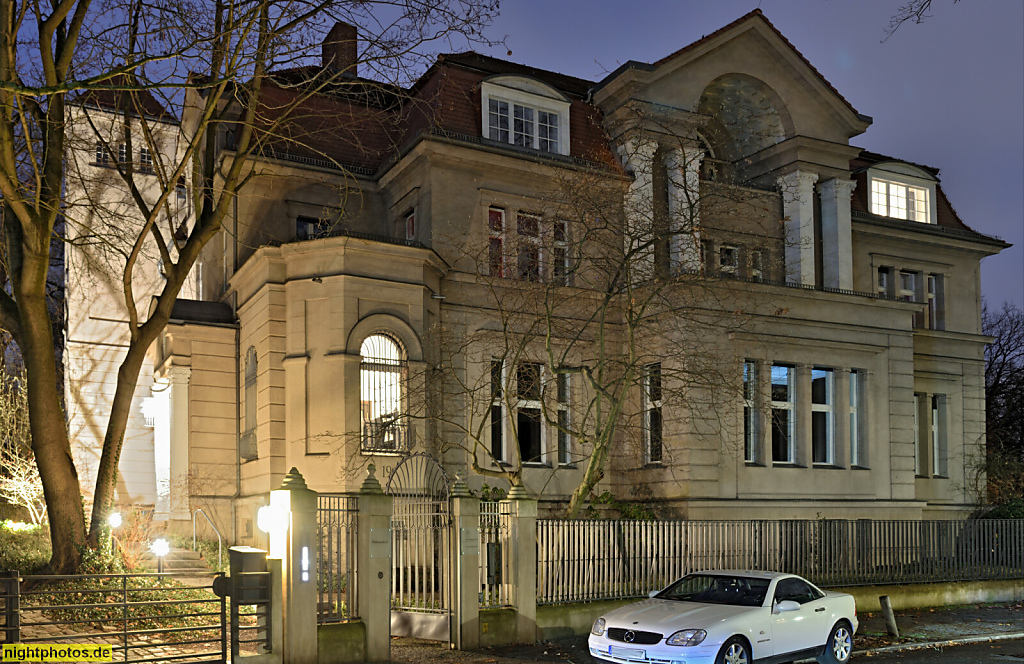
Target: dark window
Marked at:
528, 428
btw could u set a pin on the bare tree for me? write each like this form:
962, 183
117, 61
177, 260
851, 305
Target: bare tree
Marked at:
1004, 402
107, 75
605, 323
19, 478
914, 10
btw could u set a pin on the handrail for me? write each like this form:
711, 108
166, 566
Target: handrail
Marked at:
220, 554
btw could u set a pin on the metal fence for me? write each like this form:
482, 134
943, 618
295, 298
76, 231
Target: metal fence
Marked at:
495, 555
336, 518
580, 561
142, 617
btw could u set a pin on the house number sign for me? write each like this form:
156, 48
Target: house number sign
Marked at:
380, 543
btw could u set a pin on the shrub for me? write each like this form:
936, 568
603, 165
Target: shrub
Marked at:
23, 546
1013, 509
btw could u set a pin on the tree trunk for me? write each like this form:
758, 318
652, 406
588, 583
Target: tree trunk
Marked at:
50, 441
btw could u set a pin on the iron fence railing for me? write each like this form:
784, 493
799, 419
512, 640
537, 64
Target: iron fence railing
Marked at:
582, 560
337, 516
495, 555
141, 617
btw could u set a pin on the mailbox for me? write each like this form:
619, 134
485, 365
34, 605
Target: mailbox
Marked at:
249, 581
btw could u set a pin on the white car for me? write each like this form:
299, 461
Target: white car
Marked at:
729, 617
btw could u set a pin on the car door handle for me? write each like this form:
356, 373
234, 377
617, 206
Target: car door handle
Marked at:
819, 609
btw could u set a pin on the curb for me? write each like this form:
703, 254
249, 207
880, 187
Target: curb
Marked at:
926, 644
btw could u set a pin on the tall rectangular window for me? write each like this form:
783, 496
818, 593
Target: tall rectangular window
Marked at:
496, 245
247, 449
529, 421
102, 155
652, 413
410, 226
935, 292
522, 126
564, 439
547, 131
728, 259
560, 253
497, 411
751, 433
918, 466
145, 160
528, 231
783, 420
755, 265
883, 287
822, 417
122, 154
858, 455
939, 431
498, 121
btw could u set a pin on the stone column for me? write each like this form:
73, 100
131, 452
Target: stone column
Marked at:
299, 571
841, 415
523, 539
798, 208
638, 156
802, 413
836, 235
465, 623
373, 576
179, 464
683, 166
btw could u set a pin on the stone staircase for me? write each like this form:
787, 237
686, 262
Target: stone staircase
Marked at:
178, 561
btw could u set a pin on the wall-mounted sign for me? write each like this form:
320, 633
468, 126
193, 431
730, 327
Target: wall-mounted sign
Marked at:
380, 542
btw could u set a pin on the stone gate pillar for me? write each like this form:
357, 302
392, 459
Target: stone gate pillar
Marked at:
465, 622
373, 578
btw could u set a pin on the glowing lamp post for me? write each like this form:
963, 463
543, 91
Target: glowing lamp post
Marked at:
160, 548
114, 520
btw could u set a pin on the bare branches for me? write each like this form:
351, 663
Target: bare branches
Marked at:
914, 10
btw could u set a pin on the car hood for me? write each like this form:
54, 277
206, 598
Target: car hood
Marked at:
666, 615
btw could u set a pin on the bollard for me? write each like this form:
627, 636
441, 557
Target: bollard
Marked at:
890, 619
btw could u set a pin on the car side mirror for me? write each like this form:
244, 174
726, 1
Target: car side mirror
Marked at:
653, 593
785, 605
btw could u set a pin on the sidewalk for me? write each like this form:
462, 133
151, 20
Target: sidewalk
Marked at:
918, 628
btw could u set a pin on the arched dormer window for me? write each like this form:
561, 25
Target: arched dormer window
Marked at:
902, 191
382, 395
247, 444
526, 113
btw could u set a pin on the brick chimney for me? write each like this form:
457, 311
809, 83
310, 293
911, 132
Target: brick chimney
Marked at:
339, 48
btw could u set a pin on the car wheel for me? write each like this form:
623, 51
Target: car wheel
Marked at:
735, 651
839, 646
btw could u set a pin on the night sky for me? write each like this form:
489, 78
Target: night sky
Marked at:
947, 93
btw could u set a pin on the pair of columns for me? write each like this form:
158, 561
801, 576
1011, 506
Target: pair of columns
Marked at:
836, 234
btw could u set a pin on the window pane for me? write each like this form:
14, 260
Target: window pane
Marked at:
897, 201
498, 120
820, 386
654, 382
497, 442
382, 378
528, 381
780, 436
528, 225
780, 383
654, 427
529, 263
879, 204
522, 126
819, 437
496, 257
496, 219
563, 437
528, 429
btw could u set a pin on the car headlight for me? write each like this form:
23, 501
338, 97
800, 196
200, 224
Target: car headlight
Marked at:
598, 628
687, 637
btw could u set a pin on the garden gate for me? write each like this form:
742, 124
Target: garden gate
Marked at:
421, 578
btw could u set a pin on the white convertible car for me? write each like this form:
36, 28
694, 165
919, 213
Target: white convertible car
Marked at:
729, 617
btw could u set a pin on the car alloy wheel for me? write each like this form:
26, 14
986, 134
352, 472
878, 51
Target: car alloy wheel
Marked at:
842, 643
734, 652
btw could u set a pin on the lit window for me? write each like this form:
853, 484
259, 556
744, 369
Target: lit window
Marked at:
939, 460
858, 455
382, 376
822, 416
122, 154
496, 245
526, 113
728, 259
653, 450
529, 420
247, 445
564, 423
145, 160
783, 420
899, 201
936, 314
751, 434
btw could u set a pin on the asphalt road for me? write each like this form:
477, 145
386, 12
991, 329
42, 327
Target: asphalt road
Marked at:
995, 652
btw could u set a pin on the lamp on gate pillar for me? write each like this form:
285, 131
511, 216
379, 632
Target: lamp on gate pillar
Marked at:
290, 520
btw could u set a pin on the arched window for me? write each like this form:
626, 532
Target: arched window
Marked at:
382, 398
247, 443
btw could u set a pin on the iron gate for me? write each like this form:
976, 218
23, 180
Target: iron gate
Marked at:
421, 579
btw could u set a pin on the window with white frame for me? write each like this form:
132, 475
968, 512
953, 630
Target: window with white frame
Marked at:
822, 416
884, 282
526, 113
935, 292
498, 411
560, 253
751, 432
102, 155
529, 413
908, 286
382, 398
145, 160
122, 154
653, 422
564, 419
900, 201
783, 414
858, 455
410, 226
939, 432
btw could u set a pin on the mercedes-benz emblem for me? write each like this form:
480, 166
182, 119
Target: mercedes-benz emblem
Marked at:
629, 636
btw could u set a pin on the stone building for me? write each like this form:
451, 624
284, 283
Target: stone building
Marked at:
370, 295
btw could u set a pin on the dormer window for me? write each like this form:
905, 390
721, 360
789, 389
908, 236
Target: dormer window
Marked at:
525, 113
902, 191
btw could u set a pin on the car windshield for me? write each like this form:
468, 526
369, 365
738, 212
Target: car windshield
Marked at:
717, 589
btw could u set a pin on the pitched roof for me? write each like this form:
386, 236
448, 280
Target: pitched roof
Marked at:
485, 63
119, 94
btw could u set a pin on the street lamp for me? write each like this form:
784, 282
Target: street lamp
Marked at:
160, 548
114, 521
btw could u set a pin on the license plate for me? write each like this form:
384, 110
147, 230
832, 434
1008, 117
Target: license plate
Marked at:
627, 653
